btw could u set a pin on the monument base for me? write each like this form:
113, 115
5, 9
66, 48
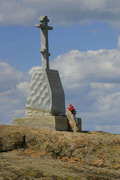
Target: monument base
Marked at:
59, 123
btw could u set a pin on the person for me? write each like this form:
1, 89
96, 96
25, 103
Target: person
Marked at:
73, 111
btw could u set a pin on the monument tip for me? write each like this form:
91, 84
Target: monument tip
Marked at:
43, 18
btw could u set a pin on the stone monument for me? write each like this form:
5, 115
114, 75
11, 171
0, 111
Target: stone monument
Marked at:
45, 107
46, 92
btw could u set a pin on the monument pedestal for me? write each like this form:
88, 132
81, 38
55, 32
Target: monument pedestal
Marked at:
43, 120
59, 123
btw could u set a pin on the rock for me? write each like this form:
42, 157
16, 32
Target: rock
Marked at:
73, 126
27, 153
10, 140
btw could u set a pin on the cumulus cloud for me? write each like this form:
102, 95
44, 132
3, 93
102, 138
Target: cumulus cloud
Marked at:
13, 90
91, 82
25, 12
101, 65
23, 87
14, 13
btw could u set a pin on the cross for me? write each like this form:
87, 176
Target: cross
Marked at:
44, 40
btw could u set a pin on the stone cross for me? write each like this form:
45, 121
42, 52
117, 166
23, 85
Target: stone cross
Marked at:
44, 40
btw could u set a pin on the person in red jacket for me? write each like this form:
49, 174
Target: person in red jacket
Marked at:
72, 109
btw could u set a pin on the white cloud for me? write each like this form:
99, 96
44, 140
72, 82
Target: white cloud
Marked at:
13, 90
25, 12
14, 12
101, 65
23, 87
109, 101
93, 4
91, 81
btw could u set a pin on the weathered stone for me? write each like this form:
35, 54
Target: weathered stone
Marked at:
73, 126
59, 123
50, 154
44, 40
11, 141
46, 96
46, 93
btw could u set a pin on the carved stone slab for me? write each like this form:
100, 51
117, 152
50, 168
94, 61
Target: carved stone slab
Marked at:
73, 126
57, 92
46, 95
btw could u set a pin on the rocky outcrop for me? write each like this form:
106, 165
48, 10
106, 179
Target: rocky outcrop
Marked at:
27, 153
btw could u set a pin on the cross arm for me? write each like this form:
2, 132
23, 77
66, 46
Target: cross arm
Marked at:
43, 26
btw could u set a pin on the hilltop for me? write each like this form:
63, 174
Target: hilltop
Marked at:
28, 153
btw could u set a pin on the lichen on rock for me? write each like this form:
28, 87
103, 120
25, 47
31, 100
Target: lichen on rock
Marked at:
28, 153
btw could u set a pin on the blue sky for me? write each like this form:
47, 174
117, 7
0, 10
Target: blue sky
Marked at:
20, 45
84, 46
